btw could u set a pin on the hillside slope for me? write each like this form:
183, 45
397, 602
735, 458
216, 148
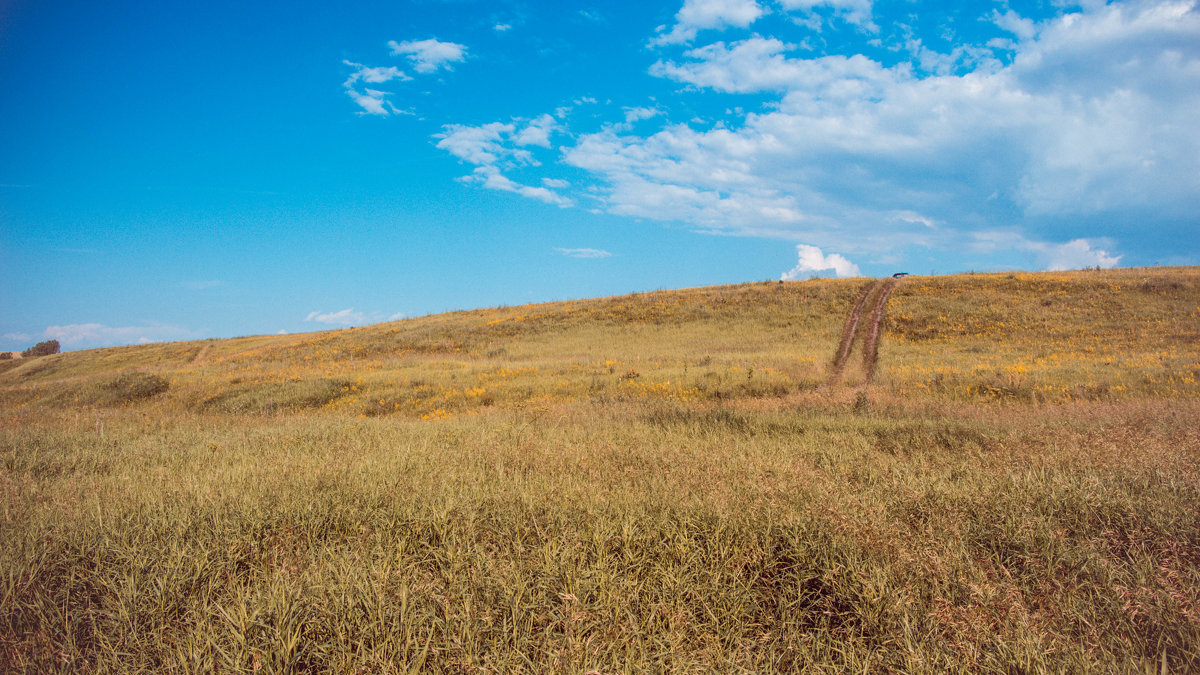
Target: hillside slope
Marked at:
1027, 337
666, 482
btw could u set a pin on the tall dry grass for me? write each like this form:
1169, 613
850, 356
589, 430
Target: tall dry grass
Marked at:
649, 483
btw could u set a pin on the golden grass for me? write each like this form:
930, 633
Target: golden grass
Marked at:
659, 482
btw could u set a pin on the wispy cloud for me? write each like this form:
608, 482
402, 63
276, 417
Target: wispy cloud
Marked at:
584, 252
345, 317
429, 56
491, 178
853, 11
372, 101
812, 262
351, 317
86, 335
498, 145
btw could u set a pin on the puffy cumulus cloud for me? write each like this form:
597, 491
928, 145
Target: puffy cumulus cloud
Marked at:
90, 335
812, 261
592, 253
696, 15
1088, 116
1064, 127
429, 56
1077, 254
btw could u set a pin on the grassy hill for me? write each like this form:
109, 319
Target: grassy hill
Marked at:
667, 481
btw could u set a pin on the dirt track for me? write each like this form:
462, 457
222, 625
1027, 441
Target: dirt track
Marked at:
875, 294
871, 344
848, 330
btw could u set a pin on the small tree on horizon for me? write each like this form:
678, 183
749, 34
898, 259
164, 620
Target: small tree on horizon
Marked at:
42, 349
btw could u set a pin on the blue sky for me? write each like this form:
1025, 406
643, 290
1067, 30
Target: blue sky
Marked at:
183, 170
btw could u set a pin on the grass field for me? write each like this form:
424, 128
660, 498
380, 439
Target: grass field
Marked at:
663, 482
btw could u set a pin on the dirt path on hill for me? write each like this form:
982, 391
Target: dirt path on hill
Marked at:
876, 295
200, 354
871, 343
848, 330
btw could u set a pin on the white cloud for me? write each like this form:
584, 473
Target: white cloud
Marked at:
372, 101
1081, 126
477, 145
1074, 254
637, 114
350, 317
696, 15
1090, 118
19, 337
537, 132
502, 27
584, 252
812, 261
1077, 254
428, 56
491, 178
345, 317
489, 144
1014, 23
86, 335
853, 11
493, 146
758, 64
377, 74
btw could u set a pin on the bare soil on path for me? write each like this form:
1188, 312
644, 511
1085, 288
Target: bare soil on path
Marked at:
875, 295
871, 344
848, 330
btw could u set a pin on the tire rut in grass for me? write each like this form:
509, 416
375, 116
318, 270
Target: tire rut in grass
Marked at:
848, 330
875, 295
871, 343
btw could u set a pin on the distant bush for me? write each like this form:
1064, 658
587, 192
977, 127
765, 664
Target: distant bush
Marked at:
6, 356
42, 349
